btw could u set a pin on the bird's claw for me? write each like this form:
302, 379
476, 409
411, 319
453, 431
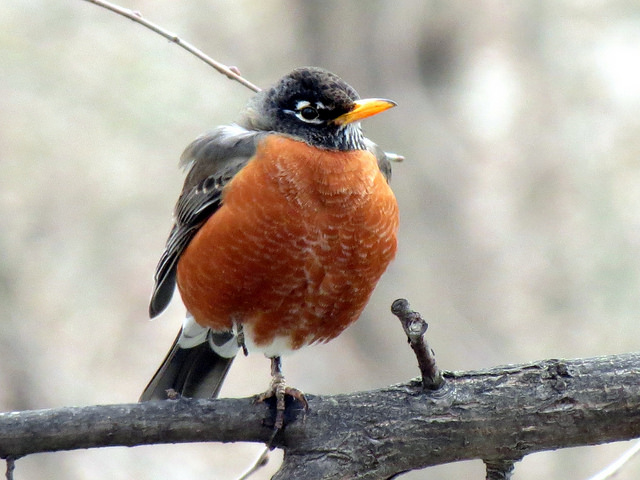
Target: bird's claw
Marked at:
279, 390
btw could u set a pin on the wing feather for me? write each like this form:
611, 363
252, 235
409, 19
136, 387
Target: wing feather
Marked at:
212, 161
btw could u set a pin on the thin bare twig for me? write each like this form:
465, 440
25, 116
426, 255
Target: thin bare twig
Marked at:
230, 72
262, 460
616, 466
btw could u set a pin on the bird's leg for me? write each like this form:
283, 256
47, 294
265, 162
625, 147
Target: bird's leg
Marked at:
240, 339
279, 389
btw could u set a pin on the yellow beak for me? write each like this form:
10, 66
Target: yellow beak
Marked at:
364, 108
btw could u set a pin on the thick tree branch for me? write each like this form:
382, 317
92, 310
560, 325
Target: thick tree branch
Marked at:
171, 421
495, 415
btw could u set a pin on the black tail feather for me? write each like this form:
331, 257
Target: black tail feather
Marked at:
196, 372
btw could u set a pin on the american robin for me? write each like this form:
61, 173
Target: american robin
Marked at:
283, 228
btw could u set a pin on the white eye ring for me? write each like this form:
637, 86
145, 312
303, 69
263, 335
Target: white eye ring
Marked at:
304, 107
309, 114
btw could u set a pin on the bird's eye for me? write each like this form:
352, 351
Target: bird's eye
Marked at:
309, 113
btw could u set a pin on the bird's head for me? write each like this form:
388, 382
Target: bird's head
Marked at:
315, 106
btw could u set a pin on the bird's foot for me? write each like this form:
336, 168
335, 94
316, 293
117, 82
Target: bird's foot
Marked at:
279, 390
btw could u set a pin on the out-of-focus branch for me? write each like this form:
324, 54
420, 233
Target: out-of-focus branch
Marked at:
230, 72
612, 470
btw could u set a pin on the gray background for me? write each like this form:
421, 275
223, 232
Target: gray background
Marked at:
520, 196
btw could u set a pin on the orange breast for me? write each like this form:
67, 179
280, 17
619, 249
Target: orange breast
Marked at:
297, 247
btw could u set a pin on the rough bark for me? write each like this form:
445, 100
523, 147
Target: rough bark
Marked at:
496, 415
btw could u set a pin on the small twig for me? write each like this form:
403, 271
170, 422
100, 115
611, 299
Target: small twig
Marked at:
499, 469
11, 466
260, 462
614, 468
415, 327
230, 72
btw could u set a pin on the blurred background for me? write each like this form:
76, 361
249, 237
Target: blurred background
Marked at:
519, 196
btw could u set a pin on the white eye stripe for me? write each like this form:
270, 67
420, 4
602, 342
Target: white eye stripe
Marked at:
304, 103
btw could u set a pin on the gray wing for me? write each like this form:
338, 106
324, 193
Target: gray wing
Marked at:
212, 161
